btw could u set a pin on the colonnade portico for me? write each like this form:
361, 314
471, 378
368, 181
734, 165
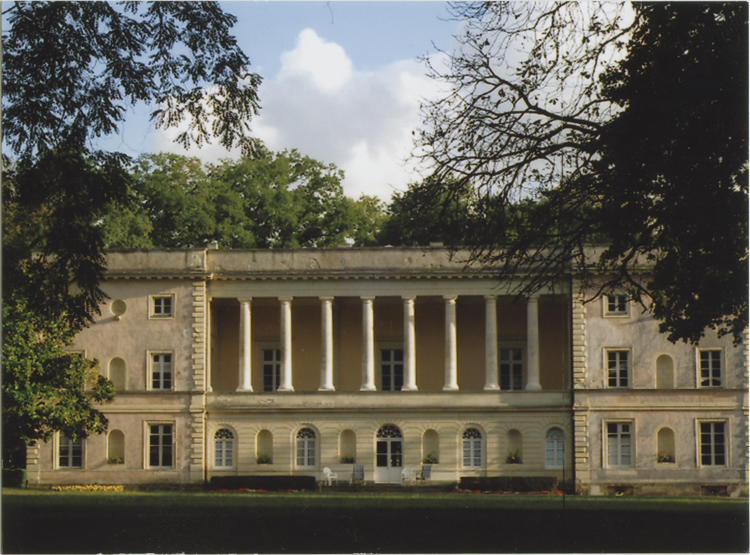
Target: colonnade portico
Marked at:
369, 359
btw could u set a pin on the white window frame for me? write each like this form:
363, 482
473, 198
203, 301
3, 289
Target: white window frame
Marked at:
63, 440
147, 444
619, 455
392, 347
474, 448
308, 452
220, 449
629, 368
558, 448
607, 310
276, 368
151, 366
699, 442
156, 309
699, 368
511, 347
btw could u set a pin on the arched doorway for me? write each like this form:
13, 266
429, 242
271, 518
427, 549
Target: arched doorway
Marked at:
388, 455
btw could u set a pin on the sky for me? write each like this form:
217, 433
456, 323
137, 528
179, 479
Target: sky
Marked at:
342, 83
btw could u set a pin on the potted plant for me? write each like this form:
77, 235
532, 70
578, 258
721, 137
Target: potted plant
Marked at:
115, 460
347, 459
264, 459
513, 458
430, 458
665, 457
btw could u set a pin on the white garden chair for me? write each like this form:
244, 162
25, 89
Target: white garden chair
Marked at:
330, 475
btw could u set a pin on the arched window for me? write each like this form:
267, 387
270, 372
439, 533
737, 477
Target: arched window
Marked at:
306, 447
554, 448
665, 446
664, 372
430, 447
515, 447
116, 447
264, 447
347, 447
472, 447
223, 448
117, 371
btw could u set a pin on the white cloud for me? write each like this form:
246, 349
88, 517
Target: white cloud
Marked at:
322, 106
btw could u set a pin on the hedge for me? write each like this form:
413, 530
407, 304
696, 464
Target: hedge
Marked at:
509, 483
14, 477
269, 483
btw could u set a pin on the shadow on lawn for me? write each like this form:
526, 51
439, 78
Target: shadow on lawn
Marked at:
151, 528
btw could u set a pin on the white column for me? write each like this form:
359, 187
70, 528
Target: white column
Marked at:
286, 344
410, 359
532, 343
245, 383
451, 381
490, 343
326, 357
368, 346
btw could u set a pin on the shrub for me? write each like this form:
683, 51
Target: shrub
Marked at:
430, 458
264, 459
268, 483
347, 459
509, 483
14, 477
513, 458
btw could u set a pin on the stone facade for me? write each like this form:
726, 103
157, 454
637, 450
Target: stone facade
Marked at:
286, 362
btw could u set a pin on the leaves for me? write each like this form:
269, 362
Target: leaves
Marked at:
633, 133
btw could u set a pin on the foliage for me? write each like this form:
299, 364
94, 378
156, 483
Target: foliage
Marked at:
665, 457
71, 69
513, 458
269, 200
45, 388
633, 132
264, 459
420, 215
430, 458
347, 459
70, 72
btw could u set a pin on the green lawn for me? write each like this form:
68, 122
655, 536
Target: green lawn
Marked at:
158, 522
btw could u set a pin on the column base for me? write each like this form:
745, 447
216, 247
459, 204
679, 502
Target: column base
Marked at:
285, 390
450, 388
327, 388
412, 388
244, 389
368, 388
492, 387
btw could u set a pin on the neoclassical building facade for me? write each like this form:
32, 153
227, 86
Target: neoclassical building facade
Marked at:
289, 362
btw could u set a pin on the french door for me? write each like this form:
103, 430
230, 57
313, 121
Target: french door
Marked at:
388, 455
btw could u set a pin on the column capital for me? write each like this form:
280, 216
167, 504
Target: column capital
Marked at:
244, 299
326, 299
286, 299
450, 298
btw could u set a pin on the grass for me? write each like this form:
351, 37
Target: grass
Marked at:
159, 522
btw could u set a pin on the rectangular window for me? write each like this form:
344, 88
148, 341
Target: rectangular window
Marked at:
619, 444
70, 452
271, 369
161, 371
161, 446
616, 305
391, 369
709, 362
713, 446
162, 306
618, 368
510, 367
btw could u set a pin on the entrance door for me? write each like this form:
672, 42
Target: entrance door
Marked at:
388, 455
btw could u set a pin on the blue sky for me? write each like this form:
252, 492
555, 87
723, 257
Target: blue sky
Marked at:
341, 83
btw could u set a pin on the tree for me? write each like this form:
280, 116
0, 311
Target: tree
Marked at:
629, 131
70, 71
421, 215
267, 200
